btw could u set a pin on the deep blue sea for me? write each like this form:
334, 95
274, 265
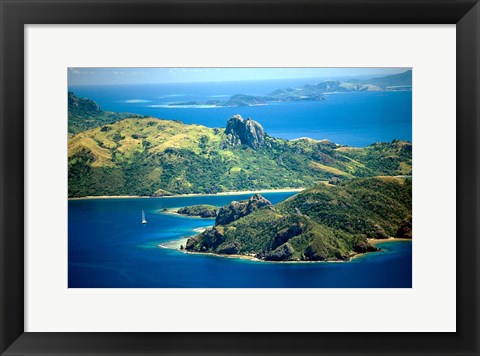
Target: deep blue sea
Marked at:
354, 119
108, 247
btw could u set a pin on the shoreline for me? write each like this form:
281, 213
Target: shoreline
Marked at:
175, 245
233, 192
110, 197
173, 211
374, 242
241, 257
391, 239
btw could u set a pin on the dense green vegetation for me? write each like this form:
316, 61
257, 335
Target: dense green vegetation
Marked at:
148, 156
85, 114
201, 210
326, 222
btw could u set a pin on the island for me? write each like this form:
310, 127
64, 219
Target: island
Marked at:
324, 223
311, 92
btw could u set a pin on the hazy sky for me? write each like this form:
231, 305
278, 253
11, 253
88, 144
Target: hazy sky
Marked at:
109, 76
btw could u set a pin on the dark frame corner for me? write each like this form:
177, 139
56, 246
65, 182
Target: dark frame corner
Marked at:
15, 14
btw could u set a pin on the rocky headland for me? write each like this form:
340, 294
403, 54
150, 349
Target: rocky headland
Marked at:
324, 223
201, 211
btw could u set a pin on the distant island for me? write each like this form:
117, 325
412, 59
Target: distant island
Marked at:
85, 114
311, 92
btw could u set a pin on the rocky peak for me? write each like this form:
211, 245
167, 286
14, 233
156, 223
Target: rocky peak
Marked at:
238, 209
244, 132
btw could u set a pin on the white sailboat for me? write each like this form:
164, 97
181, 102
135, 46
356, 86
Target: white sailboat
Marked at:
143, 218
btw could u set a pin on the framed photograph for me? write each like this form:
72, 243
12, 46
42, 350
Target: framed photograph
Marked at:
252, 177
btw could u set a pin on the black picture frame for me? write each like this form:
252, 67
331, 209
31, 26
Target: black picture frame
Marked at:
17, 13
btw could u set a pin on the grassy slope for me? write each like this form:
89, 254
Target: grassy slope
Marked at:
139, 156
326, 222
78, 123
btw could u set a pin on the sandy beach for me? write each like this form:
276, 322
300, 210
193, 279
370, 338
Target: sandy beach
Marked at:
236, 192
377, 241
175, 244
253, 258
239, 192
243, 257
110, 197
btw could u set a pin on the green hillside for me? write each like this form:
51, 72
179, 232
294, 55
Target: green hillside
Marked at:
326, 222
85, 114
148, 156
